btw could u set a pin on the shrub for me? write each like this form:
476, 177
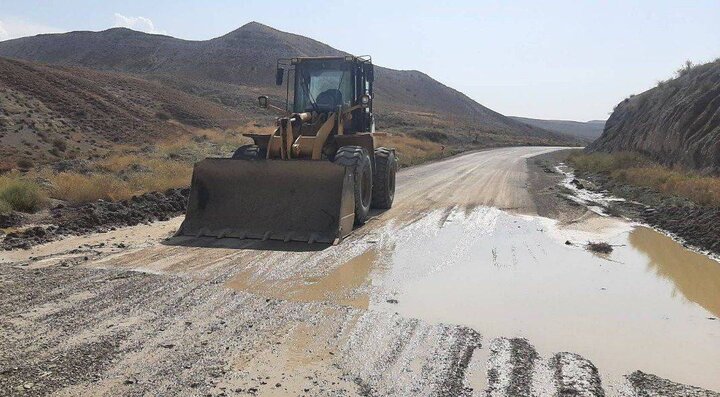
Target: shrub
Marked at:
59, 144
162, 116
25, 164
20, 194
4, 207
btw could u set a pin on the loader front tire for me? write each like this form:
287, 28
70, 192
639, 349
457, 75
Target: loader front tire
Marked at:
383, 191
358, 160
248, 152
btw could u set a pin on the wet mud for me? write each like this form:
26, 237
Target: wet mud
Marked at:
460, 290
97, 217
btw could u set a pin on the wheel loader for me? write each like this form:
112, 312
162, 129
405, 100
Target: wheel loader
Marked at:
315, 177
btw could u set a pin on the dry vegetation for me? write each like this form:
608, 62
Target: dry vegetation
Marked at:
19, 194
599, 247
130, 171
411, 150
635, 169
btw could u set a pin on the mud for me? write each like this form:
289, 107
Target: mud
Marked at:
410, 304
98, 217
695, 225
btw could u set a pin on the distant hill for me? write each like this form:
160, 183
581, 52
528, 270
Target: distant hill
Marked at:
677, 122
48, 112
586, 130
243, 62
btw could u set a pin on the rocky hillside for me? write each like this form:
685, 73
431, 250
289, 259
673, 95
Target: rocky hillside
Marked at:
587, 131
243, 61
677, 122
53, 112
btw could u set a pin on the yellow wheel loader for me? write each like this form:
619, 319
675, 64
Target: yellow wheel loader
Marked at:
315, 177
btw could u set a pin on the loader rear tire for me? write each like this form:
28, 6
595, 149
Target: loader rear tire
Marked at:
248, 152
358, 159
383, 192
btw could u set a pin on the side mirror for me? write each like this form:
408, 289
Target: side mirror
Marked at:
263, 101
279, 73
370, 73
365, 101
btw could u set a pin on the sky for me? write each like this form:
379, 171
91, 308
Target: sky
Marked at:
571, 60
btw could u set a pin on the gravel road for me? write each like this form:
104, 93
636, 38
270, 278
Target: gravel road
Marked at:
135, 311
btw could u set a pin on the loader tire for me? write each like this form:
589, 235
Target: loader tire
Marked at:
383, 191
358, 159
248, 152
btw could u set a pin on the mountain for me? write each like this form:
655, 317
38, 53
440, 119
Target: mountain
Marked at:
244, 60
675, 123
81, 112
587, 131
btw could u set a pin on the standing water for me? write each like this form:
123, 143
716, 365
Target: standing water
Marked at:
650, 305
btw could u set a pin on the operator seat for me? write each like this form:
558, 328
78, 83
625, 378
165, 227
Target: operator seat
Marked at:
329, 100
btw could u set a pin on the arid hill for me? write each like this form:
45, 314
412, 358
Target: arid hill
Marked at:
587, 131
677, 122
241, 64
52, 112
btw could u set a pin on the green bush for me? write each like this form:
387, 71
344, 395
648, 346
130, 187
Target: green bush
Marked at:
21, 195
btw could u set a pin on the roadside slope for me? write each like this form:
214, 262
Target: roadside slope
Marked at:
50, 112
677, 122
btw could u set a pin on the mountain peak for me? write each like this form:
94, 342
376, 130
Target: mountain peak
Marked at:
251, 27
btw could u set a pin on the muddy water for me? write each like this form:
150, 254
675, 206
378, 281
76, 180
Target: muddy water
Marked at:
344, 284
649, 305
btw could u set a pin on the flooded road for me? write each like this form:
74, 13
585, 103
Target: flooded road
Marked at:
650, 305
460, 289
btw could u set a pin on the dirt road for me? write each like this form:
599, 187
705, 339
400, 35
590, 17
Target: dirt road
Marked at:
136, 312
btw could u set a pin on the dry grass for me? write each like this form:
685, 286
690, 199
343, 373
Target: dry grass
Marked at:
606, 162
412, 150
163, 175
131, 171
78, 188
634, 169
20, 194
125, 176
703, 190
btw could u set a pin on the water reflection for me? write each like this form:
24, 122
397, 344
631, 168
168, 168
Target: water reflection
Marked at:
694, 275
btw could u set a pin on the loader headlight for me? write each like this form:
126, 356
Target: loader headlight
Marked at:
365, 101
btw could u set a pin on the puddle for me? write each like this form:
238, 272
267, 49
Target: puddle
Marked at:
344, 285
644, 306
695, 277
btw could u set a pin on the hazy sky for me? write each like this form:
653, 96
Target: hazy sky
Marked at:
545, 59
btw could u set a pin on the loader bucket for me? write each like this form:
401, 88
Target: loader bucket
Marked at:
287, 200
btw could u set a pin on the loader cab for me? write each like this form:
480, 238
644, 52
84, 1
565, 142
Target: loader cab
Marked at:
325, 84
